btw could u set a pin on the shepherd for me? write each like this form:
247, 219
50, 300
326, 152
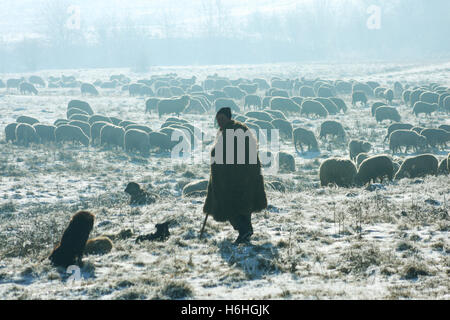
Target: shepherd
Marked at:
236, 184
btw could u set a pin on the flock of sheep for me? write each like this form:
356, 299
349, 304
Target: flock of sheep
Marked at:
260, 104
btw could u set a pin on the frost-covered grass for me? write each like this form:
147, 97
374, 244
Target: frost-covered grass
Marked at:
311, 243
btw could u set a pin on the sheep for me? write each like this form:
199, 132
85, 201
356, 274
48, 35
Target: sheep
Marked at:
442, 97
325, 91
59, 122
147, 91
72, 111
112, 135
446, 104
278, 93
234, 92
83, 105
134, 89
359, 96
389, 95
266, 102
406, 95
406, 138
284, 105
71, 133
429, 97
27, 120
445, 127
362, 87
98, 246
340, 104
328, 104
415, 96
331, 127
424, 107
219, 94
160, 140
262, 84
195, 107
26, 134
163, 92
71, 247
343, 86
387, 113
196, 188
373, 84
174, 105
358, 146
379, 92
195, 88
375, 106
88, 88
26, 87
417, 129
286, 162
10, 132
45, 132
276, 114
284, 126
373, 168
397, 126
298, 100
125, 123
418, 166
136, 140
443, 166
115, 121
436, 137
252, 100
306, 137
14, 83
360, 158
313, 107
98, 118
146, 129
226, 103
307, 92
398, 89
96, 127
282, 84
37, 81
249, 88
337, 171
83, 126
264, 116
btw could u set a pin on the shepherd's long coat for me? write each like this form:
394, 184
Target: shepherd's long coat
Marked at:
234, 189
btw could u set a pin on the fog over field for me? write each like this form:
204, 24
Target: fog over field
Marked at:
91, 93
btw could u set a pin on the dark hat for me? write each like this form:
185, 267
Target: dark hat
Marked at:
226, 111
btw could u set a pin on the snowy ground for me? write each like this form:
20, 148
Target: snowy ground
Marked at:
312, 242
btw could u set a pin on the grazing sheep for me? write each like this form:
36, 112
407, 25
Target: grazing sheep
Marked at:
362, 87
328, 104
98, 246
360, 158
249, 88
10, 132
27, 120
72, 111
112, 135
83, 126
406, 95
387, 113
26, 134
285, 127
282, 84
359, 96
45, 132
79, 117
37, 81
160, 140
446, 104
136, 140
140, 196
284, 105
88, 88
262, 84
174, 105
442, 97
298, 100
264, 116
310, 107
325, 92
373, 168
276, 114
379, 92
415, 96
417, 129
196, 188
340, 104
115, 121
83, 105
331, 127
358, 146
429, 97
134, 89
397, 126
195, 107
278, 93
375, 106
424, 107
443, 166
436, 137
305, 137
418, 166
234, 92
337, 171
98, 118
343, 86
71, 247
14, 83
96, 127
72, 134
445, 127
286, 162
26, 87
307, 92
59, 122
407, 138
226, 103
146, 129
389, 95
176, 91
252, 100
147, 91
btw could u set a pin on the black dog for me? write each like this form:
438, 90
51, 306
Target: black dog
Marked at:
161, 234
138, 195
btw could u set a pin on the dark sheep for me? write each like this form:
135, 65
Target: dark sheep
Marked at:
98, 246
397, 126
360, 158
71, 134
266, 102
436, 137
359, 96
284, 105
337, 171
37, 81
331, 127
285, 127
387, 113
140, 196
389, 95
45, 132
358, 146
264, 116
26, 134
375, 106
373, 168
340, 104
311, 107
134, 89
26, 87
424, 107
83, 105
151, 105
71, 247
112, 135
88, 88
286, 162
305, 137
307, 92
10, 132
406, 138
27, 120
226, 103
136, 140
195, 188
252, 100
418, 166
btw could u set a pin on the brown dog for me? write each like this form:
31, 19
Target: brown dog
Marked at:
138, 195
70, 250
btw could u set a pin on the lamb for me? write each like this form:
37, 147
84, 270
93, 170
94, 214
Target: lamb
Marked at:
196, 188
397, 126
286, 162
284, 126
26, 134
98, 246
284, 105
112, 135
136, 140
83, 105
305, 137
313, 107
387, 113
140, 196
337, 171
26, 87
436, 137
88, 88
406, 138
331, 127
71, 133
419, 166
71, 247
373, 168
424, 107
359, 96
27, 120
358, 146
46, 133
10, 132
252, 100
